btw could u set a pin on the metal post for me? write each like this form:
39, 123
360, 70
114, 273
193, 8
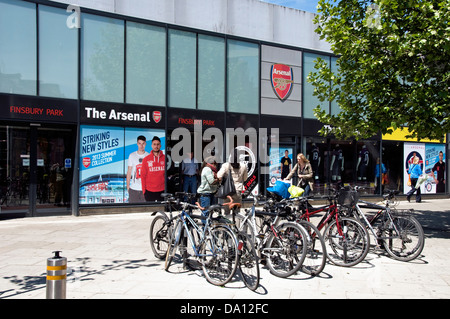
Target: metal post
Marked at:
56, 276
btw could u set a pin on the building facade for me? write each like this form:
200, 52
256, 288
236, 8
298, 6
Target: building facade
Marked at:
80, 83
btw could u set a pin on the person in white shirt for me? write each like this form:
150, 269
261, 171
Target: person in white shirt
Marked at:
134, 186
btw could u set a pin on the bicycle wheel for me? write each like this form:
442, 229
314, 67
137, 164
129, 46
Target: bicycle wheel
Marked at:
219, 255
248, 262
173, 244
347, 242
160, 233
316, 253
285, 251
408, 243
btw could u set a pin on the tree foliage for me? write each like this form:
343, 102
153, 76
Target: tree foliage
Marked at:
393, 67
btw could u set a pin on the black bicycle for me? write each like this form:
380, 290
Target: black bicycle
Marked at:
400, 233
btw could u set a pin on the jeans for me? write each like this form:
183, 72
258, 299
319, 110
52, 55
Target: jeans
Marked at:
190, 184
413, 189
206, 200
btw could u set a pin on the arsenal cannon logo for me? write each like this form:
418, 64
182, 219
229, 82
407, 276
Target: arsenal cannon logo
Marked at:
282, 79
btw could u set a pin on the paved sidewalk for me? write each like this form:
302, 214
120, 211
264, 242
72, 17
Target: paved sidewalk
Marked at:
109, 257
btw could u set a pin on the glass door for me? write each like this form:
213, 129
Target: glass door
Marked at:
14, 169
54, 169
36, 169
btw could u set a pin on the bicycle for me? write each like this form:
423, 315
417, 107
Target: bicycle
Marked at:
347, 240
248, 259
316, 255
281, 245
161, 227
399, 232
214, 245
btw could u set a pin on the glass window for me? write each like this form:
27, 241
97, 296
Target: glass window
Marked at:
146, 64
211, 73
58, 54
182, 69
310, 102
17, 47
335, 109
102, 58
243, 77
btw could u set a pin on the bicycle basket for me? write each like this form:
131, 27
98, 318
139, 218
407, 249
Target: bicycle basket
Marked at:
347, 198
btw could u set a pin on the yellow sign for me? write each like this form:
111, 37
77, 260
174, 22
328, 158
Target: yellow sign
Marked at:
400, 135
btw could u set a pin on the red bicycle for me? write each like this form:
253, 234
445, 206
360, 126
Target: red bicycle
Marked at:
347, 240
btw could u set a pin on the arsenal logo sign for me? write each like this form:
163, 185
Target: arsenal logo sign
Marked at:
156, 116
86, 161
282, 79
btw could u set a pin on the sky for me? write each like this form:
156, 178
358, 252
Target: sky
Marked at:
305, 5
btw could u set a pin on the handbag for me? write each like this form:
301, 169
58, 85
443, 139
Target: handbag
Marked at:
227, 187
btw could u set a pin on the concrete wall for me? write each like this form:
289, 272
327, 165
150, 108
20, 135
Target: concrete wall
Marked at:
245, 18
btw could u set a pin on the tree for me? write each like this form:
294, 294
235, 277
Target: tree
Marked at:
393, 67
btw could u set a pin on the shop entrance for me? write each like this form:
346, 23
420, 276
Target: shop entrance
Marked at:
36, 169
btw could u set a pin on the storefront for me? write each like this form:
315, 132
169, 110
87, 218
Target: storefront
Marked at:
85, 93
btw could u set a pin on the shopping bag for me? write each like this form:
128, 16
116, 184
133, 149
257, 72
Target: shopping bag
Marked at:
422, 178
280, 188
384, 179
295, 191
227, 187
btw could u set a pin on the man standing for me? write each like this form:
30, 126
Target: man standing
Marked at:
189, 169
134, 185
439, 168
153, 172
286, 165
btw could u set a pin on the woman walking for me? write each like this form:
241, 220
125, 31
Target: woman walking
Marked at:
304, 172
415, 171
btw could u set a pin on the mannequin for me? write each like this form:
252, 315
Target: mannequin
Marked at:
337, 164
315, 160
363, 164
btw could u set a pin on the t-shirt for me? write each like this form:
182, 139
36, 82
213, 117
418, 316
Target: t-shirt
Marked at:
135, 161
285, 162
153, 172
440, 169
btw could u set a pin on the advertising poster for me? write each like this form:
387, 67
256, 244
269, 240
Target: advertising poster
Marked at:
276, 157
428, 154
432, 153
131, 146
101, 165
104, 153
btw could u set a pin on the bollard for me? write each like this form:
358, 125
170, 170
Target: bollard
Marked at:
56, 276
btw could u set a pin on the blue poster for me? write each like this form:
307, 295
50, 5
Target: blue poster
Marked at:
101, 165
433, 154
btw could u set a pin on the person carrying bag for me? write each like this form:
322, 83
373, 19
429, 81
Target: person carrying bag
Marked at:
236, 173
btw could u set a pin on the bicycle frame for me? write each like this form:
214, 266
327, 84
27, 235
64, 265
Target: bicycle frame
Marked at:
331, 211
382, 210
272, 226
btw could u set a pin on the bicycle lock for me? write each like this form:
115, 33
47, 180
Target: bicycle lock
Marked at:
56, 276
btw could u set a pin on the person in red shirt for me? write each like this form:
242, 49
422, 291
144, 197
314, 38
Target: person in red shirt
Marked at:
153, 172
